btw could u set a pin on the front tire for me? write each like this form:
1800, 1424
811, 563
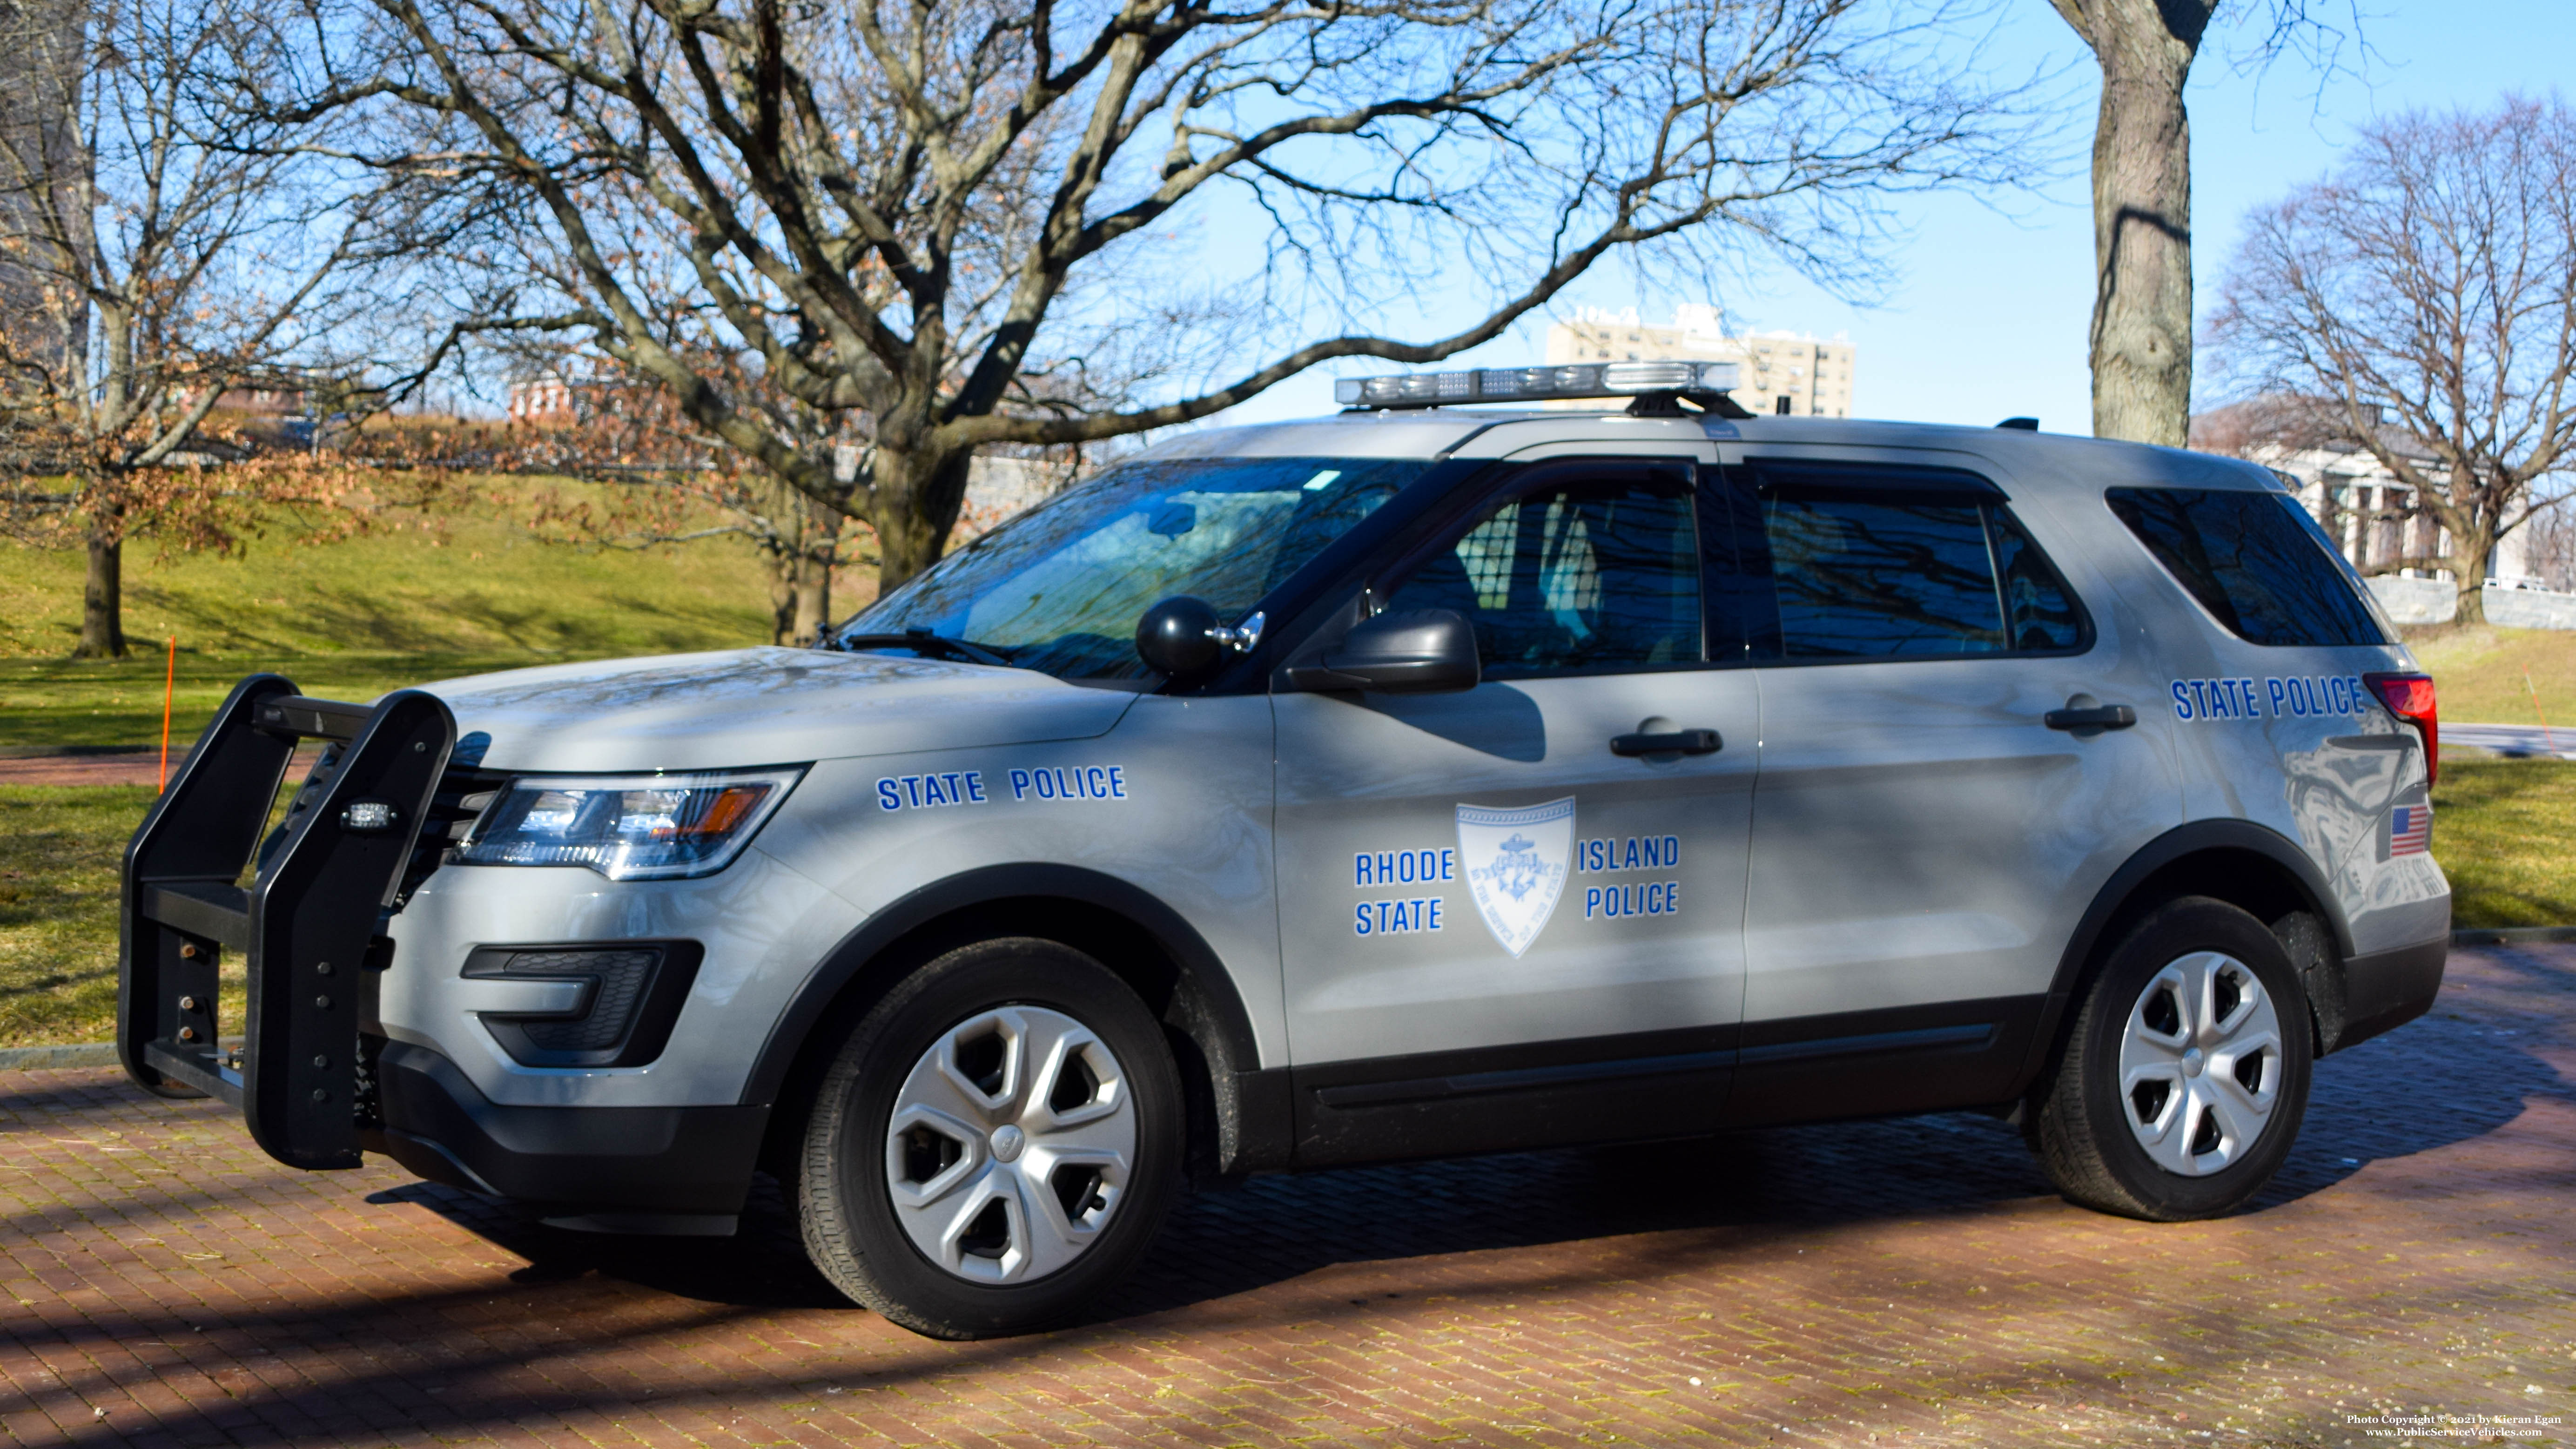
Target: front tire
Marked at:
994, 1145
2185, 1077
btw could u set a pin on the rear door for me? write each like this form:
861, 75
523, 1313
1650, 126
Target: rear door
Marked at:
1496, 929
1923, 840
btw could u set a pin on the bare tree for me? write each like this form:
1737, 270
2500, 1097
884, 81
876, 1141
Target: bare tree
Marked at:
165, 249
664, 483
935, 219
2142, 303
2549, 542
2425, 294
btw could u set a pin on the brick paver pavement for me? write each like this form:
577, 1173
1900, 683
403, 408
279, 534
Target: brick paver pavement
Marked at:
1895, 1283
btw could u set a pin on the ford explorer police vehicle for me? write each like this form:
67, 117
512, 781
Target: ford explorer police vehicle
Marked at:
1436, 778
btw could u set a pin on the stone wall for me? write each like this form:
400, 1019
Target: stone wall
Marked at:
2433, 601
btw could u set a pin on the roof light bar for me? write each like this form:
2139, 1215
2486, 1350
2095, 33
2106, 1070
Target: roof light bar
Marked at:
1532, 384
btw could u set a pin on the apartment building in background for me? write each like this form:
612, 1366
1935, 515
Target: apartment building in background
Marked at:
1786, 373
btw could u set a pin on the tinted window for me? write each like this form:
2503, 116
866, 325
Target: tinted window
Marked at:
2039, 612
2252, 561
1059, 588
1599, 575
1869, 561
1874, 578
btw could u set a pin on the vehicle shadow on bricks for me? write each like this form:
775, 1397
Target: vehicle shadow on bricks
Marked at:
2467, 1070
762, 1266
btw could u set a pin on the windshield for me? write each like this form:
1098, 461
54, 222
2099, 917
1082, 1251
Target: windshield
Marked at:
1060, 587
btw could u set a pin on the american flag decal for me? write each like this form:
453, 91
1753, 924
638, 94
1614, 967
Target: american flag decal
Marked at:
2410, 829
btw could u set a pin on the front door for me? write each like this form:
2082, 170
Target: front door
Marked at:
1507, 919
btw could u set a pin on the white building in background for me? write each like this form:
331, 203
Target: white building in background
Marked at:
2372, 517
544, 398
1787, 373
1000, 488
2375, 521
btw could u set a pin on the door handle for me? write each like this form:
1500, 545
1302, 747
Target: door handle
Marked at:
1675, 742
2090, 717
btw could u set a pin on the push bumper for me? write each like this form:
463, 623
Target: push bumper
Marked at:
309, 926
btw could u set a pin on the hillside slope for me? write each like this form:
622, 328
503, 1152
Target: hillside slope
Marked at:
418, 597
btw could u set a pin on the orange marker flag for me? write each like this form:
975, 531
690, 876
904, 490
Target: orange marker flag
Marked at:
169, 691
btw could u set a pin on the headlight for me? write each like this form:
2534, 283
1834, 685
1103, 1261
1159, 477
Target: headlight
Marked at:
641, 827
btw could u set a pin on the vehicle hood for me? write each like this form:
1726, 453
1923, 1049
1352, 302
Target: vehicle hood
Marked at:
764, 706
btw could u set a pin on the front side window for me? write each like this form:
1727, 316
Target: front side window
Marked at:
2254, 560
1881, 563
1588, 575
1060, 587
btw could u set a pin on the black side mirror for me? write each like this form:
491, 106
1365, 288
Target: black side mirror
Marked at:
1179, 636
1418, 651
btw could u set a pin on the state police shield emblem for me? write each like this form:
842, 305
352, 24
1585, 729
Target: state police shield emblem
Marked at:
1516, 865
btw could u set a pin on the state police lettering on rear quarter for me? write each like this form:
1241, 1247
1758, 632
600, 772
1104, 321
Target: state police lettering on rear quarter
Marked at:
2296, 696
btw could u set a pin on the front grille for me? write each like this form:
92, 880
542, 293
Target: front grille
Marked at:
450, 819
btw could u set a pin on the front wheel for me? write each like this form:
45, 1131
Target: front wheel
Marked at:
2186, 1075
994, 1145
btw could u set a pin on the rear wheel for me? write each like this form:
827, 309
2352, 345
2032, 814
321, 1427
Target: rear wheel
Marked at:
995, 1143
2186, 1075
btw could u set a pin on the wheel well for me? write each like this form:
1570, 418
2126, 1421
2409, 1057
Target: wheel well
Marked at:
2246, 879
1132, 952
2253, 882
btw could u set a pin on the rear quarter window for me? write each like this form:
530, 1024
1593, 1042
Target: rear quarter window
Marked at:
2253, 562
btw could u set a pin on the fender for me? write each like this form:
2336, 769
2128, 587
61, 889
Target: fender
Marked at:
2193, 838
1251, 1106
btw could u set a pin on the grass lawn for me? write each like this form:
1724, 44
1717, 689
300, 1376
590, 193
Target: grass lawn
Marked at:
59, 849
418, 597
2505, 832
2478, 670
2500, 833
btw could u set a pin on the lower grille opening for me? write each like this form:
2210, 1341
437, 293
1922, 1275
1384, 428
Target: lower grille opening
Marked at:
625, 1017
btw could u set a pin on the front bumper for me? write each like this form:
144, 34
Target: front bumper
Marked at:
655, 1169
374, 1020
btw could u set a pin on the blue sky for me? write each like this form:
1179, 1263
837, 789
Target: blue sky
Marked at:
1989, 317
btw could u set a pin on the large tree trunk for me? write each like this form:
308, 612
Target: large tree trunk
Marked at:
102, 633
2141, 214
914, 501
795, 594
2470, 553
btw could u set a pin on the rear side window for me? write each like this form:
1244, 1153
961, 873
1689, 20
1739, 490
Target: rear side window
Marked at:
1888, 563
2252, 562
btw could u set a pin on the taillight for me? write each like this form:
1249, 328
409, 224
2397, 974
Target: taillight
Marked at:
2410, 698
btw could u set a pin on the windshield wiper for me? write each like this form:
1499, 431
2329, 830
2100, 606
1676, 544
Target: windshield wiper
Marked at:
929, 645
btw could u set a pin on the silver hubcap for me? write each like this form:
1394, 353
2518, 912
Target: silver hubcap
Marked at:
2200, 1063
1009, 1145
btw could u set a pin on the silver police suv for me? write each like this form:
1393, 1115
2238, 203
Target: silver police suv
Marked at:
1419, 781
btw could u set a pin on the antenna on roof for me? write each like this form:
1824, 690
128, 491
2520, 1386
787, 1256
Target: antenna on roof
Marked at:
2020, 425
